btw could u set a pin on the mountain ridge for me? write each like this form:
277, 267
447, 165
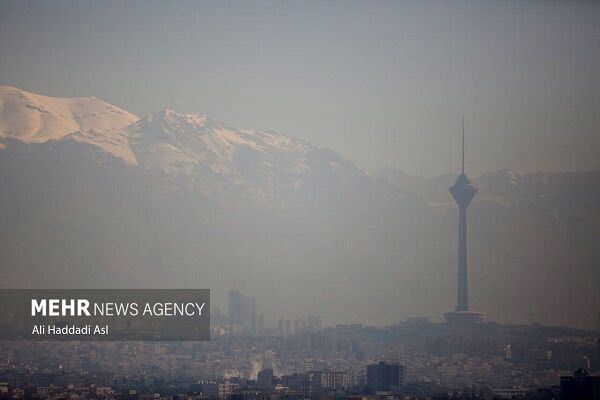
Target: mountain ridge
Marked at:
180, 145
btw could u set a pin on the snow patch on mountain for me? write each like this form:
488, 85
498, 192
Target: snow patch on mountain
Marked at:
33, 118
192, 145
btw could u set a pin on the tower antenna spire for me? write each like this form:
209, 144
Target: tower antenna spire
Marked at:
463, 146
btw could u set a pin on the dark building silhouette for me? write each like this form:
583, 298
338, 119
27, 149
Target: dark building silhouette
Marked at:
235, 307
265, 378
298, 383
260, 324
242, 313
385, 376
580, 386
463, 192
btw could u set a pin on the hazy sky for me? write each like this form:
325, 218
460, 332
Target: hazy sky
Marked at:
383, 83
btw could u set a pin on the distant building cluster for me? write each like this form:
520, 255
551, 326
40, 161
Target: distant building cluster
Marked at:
244, 319
287, 327
412, 360
242, 313
307, 385
384, 382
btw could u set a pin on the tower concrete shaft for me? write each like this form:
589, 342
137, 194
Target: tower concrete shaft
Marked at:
462, 300
462, 191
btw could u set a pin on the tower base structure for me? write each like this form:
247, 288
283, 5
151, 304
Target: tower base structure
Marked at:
464, 319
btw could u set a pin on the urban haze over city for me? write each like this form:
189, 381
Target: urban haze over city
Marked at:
387, 200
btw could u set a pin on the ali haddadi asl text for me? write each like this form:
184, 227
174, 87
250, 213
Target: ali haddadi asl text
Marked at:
69, 330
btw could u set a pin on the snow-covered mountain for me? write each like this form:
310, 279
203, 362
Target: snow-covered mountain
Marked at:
33, 118
179, 144
205, 154
214, 156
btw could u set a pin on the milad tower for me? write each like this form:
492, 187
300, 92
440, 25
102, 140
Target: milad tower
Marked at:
463, 192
